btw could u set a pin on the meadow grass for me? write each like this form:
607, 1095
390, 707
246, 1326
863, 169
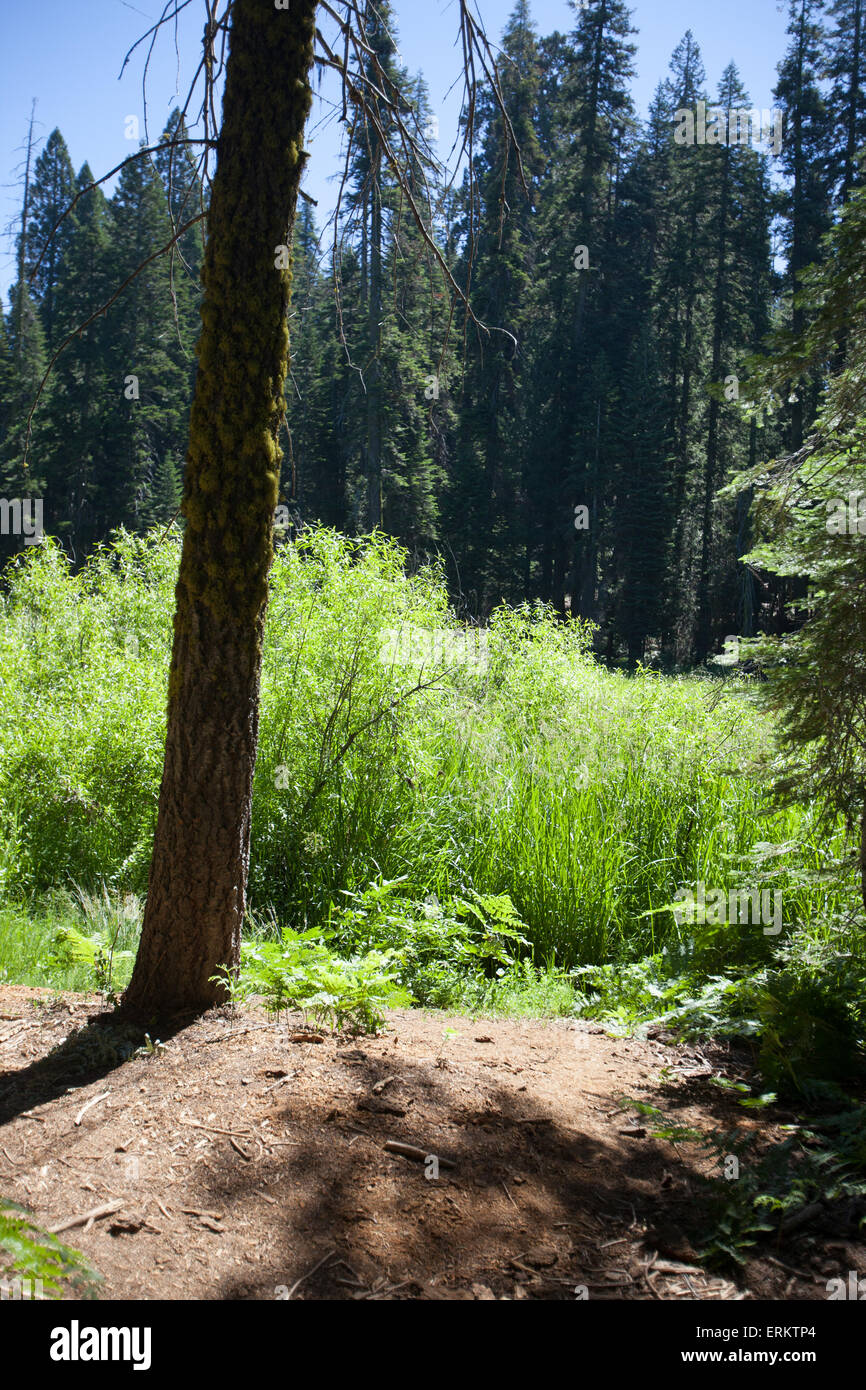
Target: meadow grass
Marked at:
588, 796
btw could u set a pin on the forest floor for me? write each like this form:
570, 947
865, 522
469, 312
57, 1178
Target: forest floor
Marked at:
247, 1160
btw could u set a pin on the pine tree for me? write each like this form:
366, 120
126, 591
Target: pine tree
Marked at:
197, 888
164, 493
20, 476
51, 194
77, 415
572, 364
845, 66
146, 415
323, 394
813, 519
185, 199
488, 520
804, 161
397, 347
734, 192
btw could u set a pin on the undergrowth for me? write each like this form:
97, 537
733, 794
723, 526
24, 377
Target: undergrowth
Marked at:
30, 1254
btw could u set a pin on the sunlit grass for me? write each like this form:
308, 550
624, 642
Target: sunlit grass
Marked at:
589, 796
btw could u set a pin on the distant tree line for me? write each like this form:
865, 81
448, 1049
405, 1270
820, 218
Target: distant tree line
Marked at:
575, 452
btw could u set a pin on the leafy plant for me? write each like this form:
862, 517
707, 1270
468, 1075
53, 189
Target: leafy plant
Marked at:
299, 972
437, 947
36, 1255
112, 921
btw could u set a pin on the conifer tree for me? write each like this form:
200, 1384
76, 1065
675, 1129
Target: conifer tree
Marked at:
25, 367
51, 193
197, 890
845, 66
489, 520
804, 160
145, 418
82, 382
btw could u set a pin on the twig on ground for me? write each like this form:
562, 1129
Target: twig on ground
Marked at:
419, 1155
298, 1282
95, 1214
89, 1106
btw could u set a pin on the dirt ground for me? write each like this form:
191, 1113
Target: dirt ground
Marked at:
247, 1160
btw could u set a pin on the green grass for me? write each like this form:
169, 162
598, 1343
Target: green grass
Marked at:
38, 940
587, 796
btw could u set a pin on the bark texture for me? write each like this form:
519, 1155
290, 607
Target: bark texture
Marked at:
197, 891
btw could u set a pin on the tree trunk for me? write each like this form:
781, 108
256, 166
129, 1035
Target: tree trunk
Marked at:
197, 892
374, 374
704, 626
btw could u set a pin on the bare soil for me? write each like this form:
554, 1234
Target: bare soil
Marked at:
247, 1159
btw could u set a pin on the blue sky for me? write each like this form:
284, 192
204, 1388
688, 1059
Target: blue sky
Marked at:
68, 54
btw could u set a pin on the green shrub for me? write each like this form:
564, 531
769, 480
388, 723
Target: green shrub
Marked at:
299, 972
37, 1256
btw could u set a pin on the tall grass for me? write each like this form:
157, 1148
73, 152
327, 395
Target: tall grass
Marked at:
589, 796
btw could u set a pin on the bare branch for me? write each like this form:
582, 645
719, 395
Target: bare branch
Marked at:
142, 153
152, 30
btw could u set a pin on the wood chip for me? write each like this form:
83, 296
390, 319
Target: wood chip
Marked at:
20, 1027
382, 1107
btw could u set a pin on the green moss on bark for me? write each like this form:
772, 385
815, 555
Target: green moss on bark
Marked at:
233, 461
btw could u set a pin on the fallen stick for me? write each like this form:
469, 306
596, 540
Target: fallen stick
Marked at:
95, 1214
238, 1033
298, 1282
419, 1155
89, 1106
800, 1218
674, 1267
212, 1129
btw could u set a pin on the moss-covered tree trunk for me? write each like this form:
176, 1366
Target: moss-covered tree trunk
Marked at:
197, 891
